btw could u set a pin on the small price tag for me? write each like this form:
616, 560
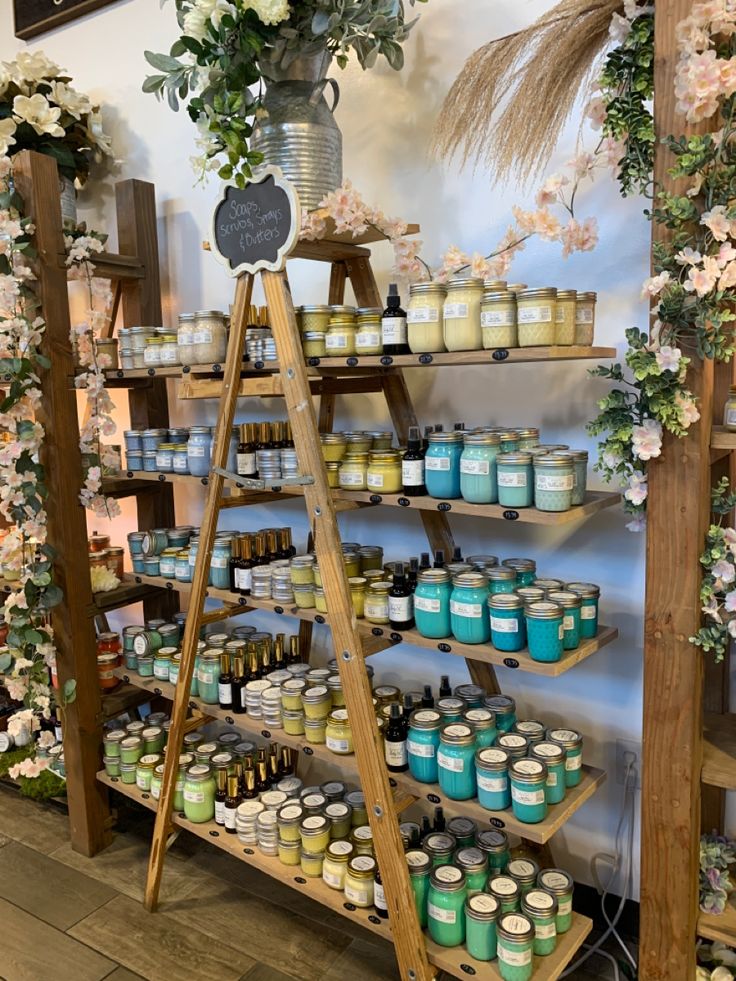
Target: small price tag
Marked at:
230, 720
377, 632
278, 609
375, 498
387, 360
266, 733
312, 362
445, 648
467, 969
404, 502
319, 618
308, 751
444, 506
501, 354
497, 822
396, 638
351, 362
434, 799
511, 515
425, 359
511, 662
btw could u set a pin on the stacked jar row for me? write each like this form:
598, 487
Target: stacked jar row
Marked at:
103, 555
181, 451
339, 330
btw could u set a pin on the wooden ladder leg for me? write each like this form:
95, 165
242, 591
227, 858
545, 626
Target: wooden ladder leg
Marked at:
210, 517
408, 937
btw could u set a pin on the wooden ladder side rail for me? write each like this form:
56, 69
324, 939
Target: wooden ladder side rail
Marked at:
678, 513
141, 301
208, 528
37, 180
407, 935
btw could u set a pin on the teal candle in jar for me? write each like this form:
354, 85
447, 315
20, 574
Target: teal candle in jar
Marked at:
422, 743
553, 483
572, 742
571, 604
524, 871
432, 603
478, 467
199, 794
579, 460
528, 438
590, 594
471, 694
464, 830
450, 708
455, 761
526, 570
440, 846
545, 630
532, 730
442, 465
208, 676
515, 480
541, 908
506, 890
516, 745
508, 627
509, 440
483, 723
553, 756
549, 585
147, 642
446, 906
515, 939
496, 846
474, 864
468, 613
481, 913
501, 579
492, 778
419, 869
528, 793
504, 708
561, 886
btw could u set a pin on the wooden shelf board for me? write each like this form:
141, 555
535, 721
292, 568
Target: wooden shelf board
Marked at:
723, 927
449, 959
109, 265
479, 652
722, 439
128, 592
515, 355
122, 698
539, 833
194, 371
719, 751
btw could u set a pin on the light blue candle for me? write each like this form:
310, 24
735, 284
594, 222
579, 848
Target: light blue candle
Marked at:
432, 603
526, 570
422, 743
492, 777
572, 742
553, 756
515, 480
501, 579
199, 450
571, 604
455, 761
590, 594
528, 796
516, 745
508, 627
442, 465
545, 631
504, 708
208, 675
553, 483
483, 723
478, 467
468, 612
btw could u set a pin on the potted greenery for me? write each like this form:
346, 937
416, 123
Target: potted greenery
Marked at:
253, 74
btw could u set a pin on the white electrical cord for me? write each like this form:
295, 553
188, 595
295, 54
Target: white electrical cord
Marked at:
590, 950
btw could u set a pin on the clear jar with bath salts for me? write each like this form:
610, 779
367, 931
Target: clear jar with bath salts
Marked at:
585, 318
152, 353
536, 317
168, 352
138, 338
209, 339
424, 318
498, 320
461, 315
185, 339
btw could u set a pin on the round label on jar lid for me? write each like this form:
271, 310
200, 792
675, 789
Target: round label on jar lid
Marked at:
249, 808
333, 788
565, 735
548, 750
130, 742
363, 833
439, 842
426, 715
530, 767
314, 800
363, 863
417, 859
492, 839
500, 702
207, 748
538, 899
314, 823
258, 686
490, 755
510, 739
356, 798
337, 809
451, 704
317, 691
448, 873
478, 715
383, 691
273, 798
470, 856
222, 759
149, 759
198, 770
461, 826
293, 684
482, 903
530, 726
340, 848
339, 715
516, 923
291, 812
552, 879
457, 731
521, 868
503, 885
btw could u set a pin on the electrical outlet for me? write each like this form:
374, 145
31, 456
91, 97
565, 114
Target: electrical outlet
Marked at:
624, 747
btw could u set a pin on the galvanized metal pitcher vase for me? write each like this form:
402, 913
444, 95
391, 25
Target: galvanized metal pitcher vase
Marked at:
300, 134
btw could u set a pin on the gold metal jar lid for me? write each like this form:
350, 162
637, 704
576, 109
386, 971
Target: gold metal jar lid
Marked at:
525, 565
567, 599
339, 717
586, 589
316, 308
421, 289
552, 460
500, 573
543, 293
543, 610
498, 296
340, 851
433, 577
530, 771
470, 580
505, 601
332, 438
465, 282
527, 432
362, 867
457, 734
567, 294
369, 312
514, 459
481, 439
495, 284
588, 296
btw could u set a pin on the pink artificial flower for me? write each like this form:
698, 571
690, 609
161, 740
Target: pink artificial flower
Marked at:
668, 358
577, 237
727, 279
716, 222
549, 192
583, 164
646, 440
724, 570
596, 111
637, 523
546, 225
698, 85
478, 266
654, 285
688, 410
524, 219
702, 281
730, 601
637, 488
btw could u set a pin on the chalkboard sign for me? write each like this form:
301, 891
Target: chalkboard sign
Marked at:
256, 227
34, 17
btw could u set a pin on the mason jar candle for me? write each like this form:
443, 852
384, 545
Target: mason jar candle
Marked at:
561, 886
451, 708
315, 833
553, 482
315, 317
359, 881
571, 604
461, 314
339, 814
468, 614
199, 794
481, 913
528, 794
442, 465
492, 778
455, 761
422, 744
525, 872
464, 830
501, 579
199, 450
508, 628
131, 749
585, 318
545, 630
334, 446
446, 906
515, 480
514, 743
504, 708
565, 306
432, 603
496, 846
144, 770
368, 339
339, 734
335, 865
483, 723
498, 319
384, 472
528, 438
419, 865
590, 594
536, 317
376, 602
317, 702
424, 321
474, 864
515, 939
440, 846
128, 772
506, 890
526, 570
531, 729
553, 757
353, 472
340, 340
478, 467
572, 742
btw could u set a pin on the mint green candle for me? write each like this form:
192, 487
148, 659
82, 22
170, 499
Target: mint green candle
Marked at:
553, 756
553, 483
515, 480
501, 579
199, 794
483, 723
572, 742
525, 872
515, 938
474, 864
481, 913
446, 906
506, 890
504, 708
571, 604
419, 869
128, 772
541, 908
496, 846
561, 886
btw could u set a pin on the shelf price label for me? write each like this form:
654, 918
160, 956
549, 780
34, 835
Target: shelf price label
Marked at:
257, 226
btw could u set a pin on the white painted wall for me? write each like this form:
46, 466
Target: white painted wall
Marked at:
386, 121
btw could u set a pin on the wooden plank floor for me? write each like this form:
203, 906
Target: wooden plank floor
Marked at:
81, 919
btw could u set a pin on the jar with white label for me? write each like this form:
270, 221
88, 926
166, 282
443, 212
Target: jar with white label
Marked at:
209, 338
554, 479
585, 318
168, 352
152, 353
335, 866
376, 602
508, 629
359, 877
528, 790
571, 603
492, 778
446, 905
432, 603
565, 307
422, 742
478, 467
545, 630
461, 315
553, 756
339, 734
456, 761
515, 480
340, 340
185, 339
368, 335
424, 318
498, 320
572, 742
353, 472
536, 313
138, 338
561, 886
515, 939
384, 473
468, 611
199, 450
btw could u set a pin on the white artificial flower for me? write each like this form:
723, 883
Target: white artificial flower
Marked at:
71, 101
668, 358
36, 111
7, 129
98, 137
646, 440
269, 11
197, 18
32, 66
722, 973
637, 490
5, 80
